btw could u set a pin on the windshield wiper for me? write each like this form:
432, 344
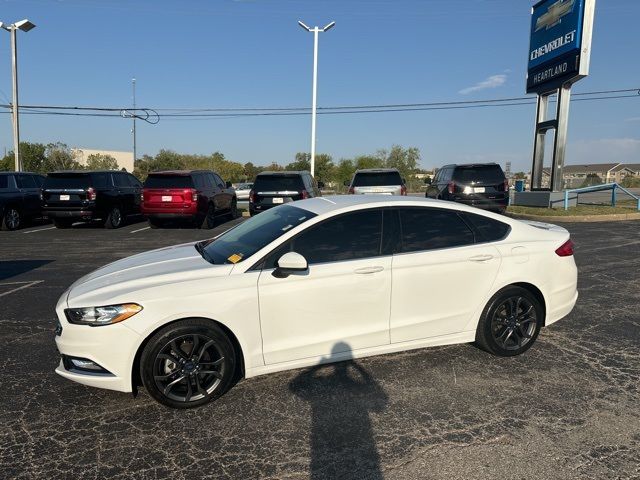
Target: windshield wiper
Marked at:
203, 253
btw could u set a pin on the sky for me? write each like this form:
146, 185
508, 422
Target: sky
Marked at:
253, 54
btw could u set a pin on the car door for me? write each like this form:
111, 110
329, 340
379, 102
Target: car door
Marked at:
123, 191
136, 192
222, 197
440, 275
342, 299
30, 194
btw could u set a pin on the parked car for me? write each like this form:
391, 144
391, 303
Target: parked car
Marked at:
80, 196
481, 185
310, 282
243, 190
198, 196
19, 198
377, 181
271, 189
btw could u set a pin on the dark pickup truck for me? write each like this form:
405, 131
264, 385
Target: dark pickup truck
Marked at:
19, 198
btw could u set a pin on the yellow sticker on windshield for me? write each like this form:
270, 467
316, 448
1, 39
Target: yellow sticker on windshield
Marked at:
235, 258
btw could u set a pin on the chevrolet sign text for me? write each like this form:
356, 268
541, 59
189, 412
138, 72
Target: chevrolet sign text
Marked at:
553, 45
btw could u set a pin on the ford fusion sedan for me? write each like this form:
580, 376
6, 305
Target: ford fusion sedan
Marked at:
309, 282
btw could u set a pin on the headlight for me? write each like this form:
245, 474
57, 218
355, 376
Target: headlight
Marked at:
96, 316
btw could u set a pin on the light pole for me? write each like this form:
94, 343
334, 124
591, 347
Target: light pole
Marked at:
316, 31
133, 84
24, 25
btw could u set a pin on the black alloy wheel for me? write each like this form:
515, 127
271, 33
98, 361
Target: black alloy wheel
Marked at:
11, 220
115, 219
188, 364
510, 322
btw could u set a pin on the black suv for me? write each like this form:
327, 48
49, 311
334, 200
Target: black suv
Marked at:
19, 198
481, 185
75, 196
271, 189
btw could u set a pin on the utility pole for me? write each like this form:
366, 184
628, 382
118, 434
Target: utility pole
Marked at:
133, 84
24, 25
315, 31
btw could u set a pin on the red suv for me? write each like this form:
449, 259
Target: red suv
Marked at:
195, 195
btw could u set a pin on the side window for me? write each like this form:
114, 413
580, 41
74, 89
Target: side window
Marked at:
120, 180
351, 236
431, 229
211, 179
100, 180
4, 181
198, 180
25, 181
133, 181
489, 230
39, 180
219, 181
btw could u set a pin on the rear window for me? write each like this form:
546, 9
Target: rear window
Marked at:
491, 174
168, 181
67, 180
377, 179
4, 181
278, 183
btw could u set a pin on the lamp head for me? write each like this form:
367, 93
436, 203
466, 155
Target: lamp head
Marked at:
304, 26
329, 27
25, 25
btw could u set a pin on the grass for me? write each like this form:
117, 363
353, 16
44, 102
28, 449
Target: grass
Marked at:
580, 210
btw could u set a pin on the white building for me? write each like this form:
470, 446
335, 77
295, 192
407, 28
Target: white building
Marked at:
124, 159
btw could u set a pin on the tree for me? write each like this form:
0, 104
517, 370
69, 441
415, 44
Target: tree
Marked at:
368, 161
60, 157
251, 171
301, 163
32, 155
591, 180
101, 161
405, 160
631, 181
520, 175
343, 172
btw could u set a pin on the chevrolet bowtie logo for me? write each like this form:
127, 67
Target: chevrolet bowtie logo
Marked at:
554, 14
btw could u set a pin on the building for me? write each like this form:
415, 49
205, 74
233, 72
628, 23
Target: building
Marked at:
575, 175
124, 159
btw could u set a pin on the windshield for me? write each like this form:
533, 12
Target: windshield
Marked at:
247, 238
376, 179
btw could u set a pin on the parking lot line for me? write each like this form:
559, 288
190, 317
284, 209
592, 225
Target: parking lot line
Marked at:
40, 230
26, 285
140, 229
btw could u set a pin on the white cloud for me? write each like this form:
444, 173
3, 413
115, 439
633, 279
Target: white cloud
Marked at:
632, 119
494, 81
604, 150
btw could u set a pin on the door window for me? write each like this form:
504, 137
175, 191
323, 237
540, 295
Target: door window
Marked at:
101, 180
26, 181
199, 180
431, 229
133, 181
219, 181
4, 181
120, 180
351, 236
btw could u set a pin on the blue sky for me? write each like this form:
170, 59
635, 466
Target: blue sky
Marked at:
252, 53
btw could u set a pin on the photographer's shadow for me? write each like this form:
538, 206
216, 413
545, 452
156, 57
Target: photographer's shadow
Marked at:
341, 396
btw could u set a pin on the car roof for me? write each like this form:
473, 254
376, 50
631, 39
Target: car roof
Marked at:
377, 170
284, 172
84, 172
179, 172
467, 165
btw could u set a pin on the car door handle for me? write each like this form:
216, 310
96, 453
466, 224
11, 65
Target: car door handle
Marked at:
368, 270
480, 258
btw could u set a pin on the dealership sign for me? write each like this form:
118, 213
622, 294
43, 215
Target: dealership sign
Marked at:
560, 45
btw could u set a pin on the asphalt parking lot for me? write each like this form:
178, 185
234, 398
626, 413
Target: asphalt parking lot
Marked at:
568, 408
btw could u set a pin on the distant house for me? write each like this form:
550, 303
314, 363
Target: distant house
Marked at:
124, 159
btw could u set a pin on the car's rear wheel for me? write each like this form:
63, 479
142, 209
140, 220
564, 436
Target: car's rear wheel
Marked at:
115, 218
188, 363
210, 218
234, 209
62, 222
510, 322
11, 220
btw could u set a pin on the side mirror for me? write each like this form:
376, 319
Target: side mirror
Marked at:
290, 263
228, 184
320, 184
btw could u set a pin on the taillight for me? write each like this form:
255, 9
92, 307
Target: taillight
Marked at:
194, 195
305, 194
91, 194
506, 185
403, 190
351, 190
566, 249
451, 187
142, 197
252, 196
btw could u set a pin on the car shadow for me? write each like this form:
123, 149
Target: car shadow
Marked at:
341, 396
13, 268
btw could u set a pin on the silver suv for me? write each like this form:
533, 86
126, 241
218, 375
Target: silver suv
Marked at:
377, 181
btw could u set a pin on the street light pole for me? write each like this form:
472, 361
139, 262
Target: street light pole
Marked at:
316, 31
25, 26
133, 84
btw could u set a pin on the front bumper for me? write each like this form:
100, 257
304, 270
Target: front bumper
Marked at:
113, 347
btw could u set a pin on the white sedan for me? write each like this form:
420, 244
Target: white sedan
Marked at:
310, 282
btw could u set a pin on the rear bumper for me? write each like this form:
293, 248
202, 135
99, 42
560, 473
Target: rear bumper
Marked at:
79, 214
171, 216
169, 211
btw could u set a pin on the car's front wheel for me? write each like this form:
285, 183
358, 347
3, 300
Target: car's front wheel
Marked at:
510, 322
188, 363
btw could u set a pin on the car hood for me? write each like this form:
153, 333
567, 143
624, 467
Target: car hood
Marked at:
149, 269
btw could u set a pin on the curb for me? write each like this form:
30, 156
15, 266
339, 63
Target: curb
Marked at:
614, 217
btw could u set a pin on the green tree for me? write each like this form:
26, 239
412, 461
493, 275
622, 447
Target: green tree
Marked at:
520, 175
61, 157
591, 180
251, 171
324, 168
343, 172
32, 155
301, 163
406, 160
368, 161
631, 182
101, 161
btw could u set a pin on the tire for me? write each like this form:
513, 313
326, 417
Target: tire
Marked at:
504, 334
11, 219
115, 218
62, 222
233, 214
210, 218
176, 378
155, 223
